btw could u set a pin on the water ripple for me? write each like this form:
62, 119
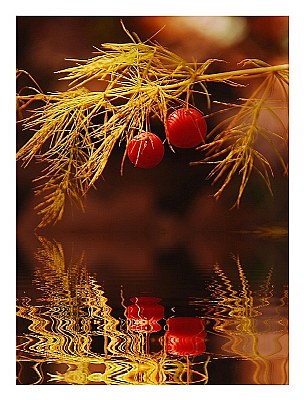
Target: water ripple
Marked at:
72, 335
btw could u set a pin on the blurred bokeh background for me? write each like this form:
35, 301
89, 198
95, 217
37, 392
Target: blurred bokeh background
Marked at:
173, 203
43, 43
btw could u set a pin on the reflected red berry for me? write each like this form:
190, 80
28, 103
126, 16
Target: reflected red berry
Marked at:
144, 315
185, 336
145, 150
186, 128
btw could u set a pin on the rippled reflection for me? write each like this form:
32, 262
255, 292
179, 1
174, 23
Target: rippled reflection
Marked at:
70, 334
74, 314
247, 329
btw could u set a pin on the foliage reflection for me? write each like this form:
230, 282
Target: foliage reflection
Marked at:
74, 314
71, 335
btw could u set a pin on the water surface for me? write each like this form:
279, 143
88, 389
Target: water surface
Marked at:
117, 310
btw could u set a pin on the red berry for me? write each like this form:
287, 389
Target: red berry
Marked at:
145, 150
186, 128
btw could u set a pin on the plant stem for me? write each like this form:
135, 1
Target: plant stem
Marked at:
243, 73
240, 73
225, 76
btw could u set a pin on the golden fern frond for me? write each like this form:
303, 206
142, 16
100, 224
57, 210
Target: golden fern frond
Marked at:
235, 148
75, 131
60, 183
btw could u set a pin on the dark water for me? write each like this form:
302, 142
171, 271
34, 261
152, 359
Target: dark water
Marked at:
96, 309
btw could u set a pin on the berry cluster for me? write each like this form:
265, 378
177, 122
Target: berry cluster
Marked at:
185, 128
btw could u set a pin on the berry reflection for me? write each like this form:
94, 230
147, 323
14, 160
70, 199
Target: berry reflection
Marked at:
186, 336
144, 315
70, 335
74, 338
